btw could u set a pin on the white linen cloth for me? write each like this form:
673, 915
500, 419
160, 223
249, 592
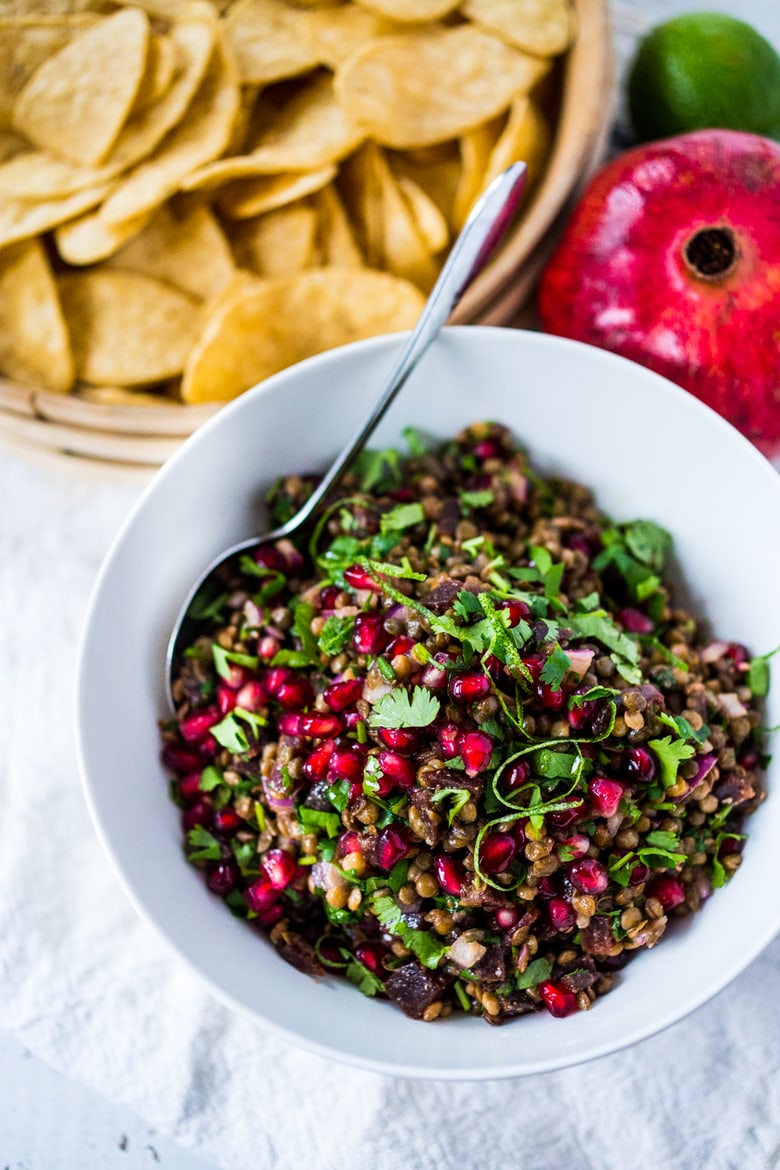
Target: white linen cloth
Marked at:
88, 987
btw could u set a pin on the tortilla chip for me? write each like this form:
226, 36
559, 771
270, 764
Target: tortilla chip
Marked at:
250, 197
526, 138
411, 10
543, 27
77, 101
336, 33
20, 219
188, 250
337, 243
271, 324
128, 329
89, 239
430, 222
438, 178
267, 38
279, 243
24, 46
475, 150
428, 86
158, 74
34, 342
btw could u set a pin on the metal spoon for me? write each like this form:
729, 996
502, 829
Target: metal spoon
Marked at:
484, 229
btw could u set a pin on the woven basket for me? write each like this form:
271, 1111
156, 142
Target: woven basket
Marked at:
147, 435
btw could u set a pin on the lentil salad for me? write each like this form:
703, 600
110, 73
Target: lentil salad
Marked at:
463, 749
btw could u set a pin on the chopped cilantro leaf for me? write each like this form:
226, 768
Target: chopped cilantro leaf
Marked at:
758, 677
670, 754
718, 868
591, 695
365, 981
535, 973
648, 542
680, 725
555, 667
377, 469
223, 659
401, 517
400, 709
313, 818
205, 846
417, 442
208, 605
231, 735
478, 499
457, 797
335, 635
428, 949
210, 779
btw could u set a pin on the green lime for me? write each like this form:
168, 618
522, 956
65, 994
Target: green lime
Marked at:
704, 70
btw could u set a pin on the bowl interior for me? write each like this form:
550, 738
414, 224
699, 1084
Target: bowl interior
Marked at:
647, 448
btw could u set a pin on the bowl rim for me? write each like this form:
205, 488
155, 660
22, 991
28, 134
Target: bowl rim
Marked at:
480, 335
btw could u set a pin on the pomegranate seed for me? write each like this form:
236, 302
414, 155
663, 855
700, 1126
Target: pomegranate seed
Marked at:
493, 666
551, 698
604, 796
369, 635
640, 764
269, 557
487, 449
195, 728
221, 876
581, 714
290, 723
347, 763
518, 611
293, 561
635, 621
295, 695
268, 647
497, 852
558, 1001
319, 726
748, 759
315, 766
448, 736
189, 787
261, 895
226, 821
567, 816
640, 873
358, 578
449, 873
516, 775
180, 759
550, 886
251, 697
329, 596
276, 677
279, 867
352, 719
507, 917
400, 646
197, 814
578, 844
534, 663
434, 677
738, 655
468, 686
374, 785
391, 846
398, 768
404, 495
340, 695
398, 739
579, 543
236, 677
561, 913
270, 916
370, 956
349, 842
226, 699
669, 890
588, 875
475, 750
356, 790
730, 845
209, 747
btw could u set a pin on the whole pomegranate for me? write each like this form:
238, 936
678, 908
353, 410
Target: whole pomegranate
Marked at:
673, 259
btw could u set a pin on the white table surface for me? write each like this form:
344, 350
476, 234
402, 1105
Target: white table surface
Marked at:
49, 1122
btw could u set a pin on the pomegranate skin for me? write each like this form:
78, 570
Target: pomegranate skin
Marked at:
634, 274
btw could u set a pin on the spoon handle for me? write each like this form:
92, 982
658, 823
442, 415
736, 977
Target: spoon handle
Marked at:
483, 231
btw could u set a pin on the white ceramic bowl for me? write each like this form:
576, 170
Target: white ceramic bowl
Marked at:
646, 447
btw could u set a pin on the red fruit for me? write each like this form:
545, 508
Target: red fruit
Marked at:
640, 764
558, 1001
347, 762
604, 796
290, 723
269, 556
318, 726
197, 814
516, 775
267, 647
349, 842
270, 916
534, 663
448, 736
358, 578
475, 750
340, 695
195, 728
567, 816
221, 876
391, 846
467, 686
449, 873
507, 917
398, 739
236, 676
399, 646
669, 890
226, 699
279, 867
226, 821
189, 787
578, 844
580, 714
635, 621
329, 596
276, 677
180, 759
551, 698
315, 766
588, 875
370, 956
487, 449
398, 768
518, 610
561, 913
261, 895
251, 697
673, 259
369, 635
497, 852
295, 694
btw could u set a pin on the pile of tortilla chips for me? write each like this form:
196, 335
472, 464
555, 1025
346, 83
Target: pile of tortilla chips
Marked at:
195, 195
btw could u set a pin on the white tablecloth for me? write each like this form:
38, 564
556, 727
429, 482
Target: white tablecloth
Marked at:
88, 987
